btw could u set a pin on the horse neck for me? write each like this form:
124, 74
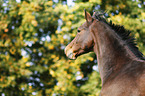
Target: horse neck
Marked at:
112, 53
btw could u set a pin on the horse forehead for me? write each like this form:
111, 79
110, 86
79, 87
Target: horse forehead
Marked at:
84, 25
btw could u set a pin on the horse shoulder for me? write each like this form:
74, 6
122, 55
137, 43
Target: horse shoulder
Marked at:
120, 87
141, 84
128, 82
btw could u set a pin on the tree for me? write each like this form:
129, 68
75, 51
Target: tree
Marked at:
33, 35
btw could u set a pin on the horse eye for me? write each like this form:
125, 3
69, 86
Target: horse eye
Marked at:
79, 31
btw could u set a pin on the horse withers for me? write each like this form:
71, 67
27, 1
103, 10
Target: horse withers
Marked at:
121, 64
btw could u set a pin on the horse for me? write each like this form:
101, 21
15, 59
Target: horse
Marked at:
121, 65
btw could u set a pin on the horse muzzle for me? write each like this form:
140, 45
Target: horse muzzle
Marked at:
69, 53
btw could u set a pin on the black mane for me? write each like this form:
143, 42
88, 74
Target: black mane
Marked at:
123, 33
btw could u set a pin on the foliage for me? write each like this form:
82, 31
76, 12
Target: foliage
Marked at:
33, 35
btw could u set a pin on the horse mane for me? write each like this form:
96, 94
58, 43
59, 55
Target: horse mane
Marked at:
122, 32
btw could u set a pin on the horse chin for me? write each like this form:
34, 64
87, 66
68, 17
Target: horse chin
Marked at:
71, 56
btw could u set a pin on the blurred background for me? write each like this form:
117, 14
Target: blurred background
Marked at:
34, 33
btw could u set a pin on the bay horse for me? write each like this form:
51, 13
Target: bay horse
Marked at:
121, 64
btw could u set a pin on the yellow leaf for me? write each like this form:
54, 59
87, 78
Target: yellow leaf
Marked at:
143, 14
51, 47
30, 87
50, 3
69, 76
28, 64
53, 56
137, 35
61, 41
12, 50
25, 59
68, 23
91, 58
63, 89
34, 23
7, 57
6, 30
21, 36
52, 72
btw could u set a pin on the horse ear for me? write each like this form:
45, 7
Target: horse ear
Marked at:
88, 16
